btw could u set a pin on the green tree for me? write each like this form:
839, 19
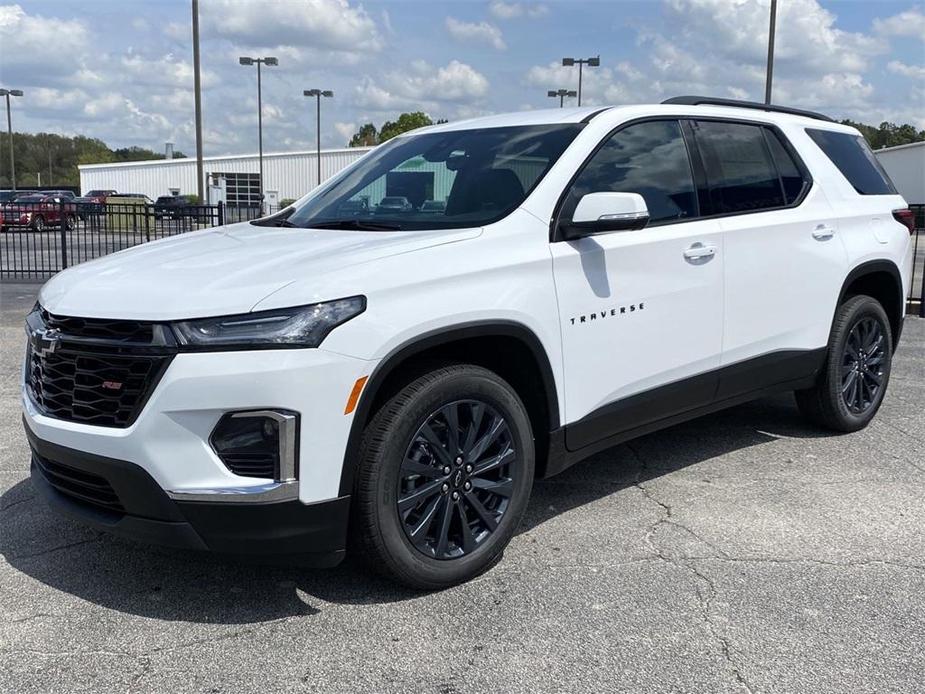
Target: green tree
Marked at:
368, 136
405, 122
887, 134
56, 157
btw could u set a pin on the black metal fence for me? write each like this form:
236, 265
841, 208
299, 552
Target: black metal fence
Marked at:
918, 264
39, 239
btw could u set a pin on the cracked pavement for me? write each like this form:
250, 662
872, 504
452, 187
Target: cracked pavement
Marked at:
741, 552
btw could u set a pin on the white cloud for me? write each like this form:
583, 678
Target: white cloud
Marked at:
916, 72
34, 46
514, 10
469, 32
166, 70
908, 23
345, 130
424, 88
327, 24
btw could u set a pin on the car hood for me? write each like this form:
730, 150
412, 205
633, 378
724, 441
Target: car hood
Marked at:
224, 270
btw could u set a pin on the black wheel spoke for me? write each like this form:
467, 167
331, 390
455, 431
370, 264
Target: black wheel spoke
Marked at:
419, 495
476, 413
487, 516
492, 463
468, 539
502, 487
443, 531
411, 467
436, 446
497, 426
451, 414
849, 380
418, 533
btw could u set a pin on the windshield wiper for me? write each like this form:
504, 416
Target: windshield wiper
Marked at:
354, 225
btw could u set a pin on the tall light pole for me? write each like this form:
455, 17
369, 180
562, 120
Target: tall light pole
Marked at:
269, 61
561, 93
197, 91
318, 93
767, 84
9, 128
581, 62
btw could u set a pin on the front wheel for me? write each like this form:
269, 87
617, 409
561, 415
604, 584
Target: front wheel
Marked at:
38, 223
445, 473
853, 382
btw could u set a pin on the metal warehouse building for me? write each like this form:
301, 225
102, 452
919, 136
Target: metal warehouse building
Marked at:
287, 175
906, 166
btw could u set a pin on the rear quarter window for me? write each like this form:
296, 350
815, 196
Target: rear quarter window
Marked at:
854, 158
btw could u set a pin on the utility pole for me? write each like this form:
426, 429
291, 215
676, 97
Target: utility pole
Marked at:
269, 60
767, 86
581, 62
9, 128
197, 88
561, 93
318, 93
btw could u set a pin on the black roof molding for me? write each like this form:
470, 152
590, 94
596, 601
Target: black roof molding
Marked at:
736, 103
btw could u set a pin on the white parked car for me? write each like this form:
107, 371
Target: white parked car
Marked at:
334, 373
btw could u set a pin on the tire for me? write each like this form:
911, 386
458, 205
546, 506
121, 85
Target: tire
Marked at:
38, 223
402, 480
853, 381
69, 222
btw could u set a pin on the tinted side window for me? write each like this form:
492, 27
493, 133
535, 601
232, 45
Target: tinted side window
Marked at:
791, 179
646, 158
854, 159
740, 173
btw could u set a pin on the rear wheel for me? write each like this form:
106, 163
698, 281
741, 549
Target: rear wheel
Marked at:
38, 223
70, 222
852, 385
446, 468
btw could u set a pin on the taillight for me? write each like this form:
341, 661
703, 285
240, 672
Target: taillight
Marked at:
906, 217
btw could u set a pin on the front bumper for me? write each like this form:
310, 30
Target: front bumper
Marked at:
122, 498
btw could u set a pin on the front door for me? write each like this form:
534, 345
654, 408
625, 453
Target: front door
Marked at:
641, 311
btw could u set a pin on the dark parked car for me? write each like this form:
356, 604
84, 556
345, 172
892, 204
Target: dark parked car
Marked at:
94, 202
394, 203
172, 207
434, 206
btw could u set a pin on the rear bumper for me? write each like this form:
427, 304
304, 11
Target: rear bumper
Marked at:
121, 498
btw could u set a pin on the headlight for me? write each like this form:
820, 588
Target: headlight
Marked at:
301, 326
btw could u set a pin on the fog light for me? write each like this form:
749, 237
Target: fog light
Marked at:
258, 443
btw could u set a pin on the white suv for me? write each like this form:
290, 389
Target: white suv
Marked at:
395, 379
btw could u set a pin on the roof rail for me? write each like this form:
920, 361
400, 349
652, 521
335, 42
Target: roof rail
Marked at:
736, 103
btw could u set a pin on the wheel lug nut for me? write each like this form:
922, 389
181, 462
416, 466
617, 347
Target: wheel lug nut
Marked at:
445, 488
468, 468
446, 470
467, 486
455, 496
459, 460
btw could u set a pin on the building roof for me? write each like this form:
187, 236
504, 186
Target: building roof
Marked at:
192, 160
908, 145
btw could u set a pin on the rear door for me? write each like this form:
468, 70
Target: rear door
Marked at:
641, 311
784, 260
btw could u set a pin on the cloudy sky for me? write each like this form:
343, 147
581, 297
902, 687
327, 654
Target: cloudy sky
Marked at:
121, 70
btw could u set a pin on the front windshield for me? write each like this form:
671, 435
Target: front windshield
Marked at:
460, 178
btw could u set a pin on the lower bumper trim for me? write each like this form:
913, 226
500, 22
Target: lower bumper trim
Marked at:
284, 528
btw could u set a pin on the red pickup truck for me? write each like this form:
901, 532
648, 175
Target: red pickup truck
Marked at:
39, 211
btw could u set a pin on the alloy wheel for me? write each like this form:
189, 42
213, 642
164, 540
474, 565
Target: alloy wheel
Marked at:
863, 361
456, 479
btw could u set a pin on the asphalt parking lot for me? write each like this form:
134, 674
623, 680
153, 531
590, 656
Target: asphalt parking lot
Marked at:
742, 552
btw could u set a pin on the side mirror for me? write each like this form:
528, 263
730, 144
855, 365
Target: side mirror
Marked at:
600, 213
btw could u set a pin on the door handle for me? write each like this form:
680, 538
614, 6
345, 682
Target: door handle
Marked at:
699, 252
823, 232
